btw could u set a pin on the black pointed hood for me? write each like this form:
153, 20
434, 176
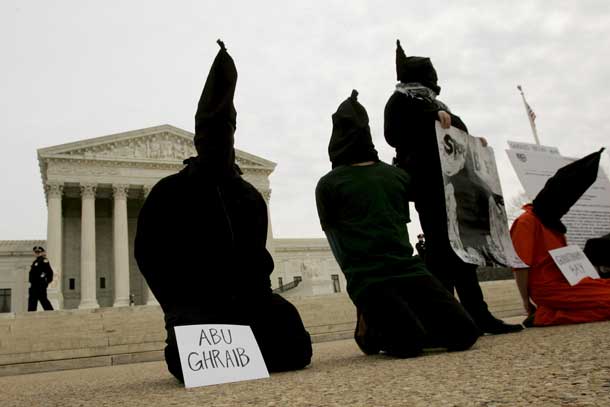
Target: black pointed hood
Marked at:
351, 140
215, 120
216, 101
563, 189
415, 69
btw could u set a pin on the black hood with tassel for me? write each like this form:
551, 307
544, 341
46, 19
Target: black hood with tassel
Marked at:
415, 69
351, 140
563, 189
216, 118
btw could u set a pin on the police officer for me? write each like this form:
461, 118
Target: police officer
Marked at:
421, 246
40, 276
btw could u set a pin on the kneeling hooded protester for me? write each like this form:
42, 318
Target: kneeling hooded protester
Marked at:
540, 229
201, 237
364, 210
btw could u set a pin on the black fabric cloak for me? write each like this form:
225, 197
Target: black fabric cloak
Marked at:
598, 250
201, 236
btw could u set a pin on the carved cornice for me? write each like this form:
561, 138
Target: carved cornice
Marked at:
112, 167
159, 146
119, 191
266, 194
156, 148
88, 191
54, 189
67, 165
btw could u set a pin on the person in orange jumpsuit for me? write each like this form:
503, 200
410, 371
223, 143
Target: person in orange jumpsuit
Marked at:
538, 230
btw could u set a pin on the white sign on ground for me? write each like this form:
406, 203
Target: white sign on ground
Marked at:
476, 216
573, 263
589, 217
214, 354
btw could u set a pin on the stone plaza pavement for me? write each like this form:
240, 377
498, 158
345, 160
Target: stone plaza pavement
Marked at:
554, 366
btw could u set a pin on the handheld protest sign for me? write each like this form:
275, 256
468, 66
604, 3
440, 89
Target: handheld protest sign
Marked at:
573, 264
215, 354
476, 216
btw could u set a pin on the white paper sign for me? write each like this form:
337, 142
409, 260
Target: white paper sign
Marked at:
214, 354
590, 215
573, 263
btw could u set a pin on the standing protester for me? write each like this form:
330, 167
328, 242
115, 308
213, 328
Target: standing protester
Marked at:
538, 230
421, 246
201, 236
40, 277
364, 210
409, 127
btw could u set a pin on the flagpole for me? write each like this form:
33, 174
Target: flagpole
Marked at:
529, 116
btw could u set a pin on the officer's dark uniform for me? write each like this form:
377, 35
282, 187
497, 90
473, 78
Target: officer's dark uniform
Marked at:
40, 276
421, 249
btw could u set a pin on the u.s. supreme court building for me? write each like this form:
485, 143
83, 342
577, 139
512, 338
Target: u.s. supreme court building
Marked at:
94, 190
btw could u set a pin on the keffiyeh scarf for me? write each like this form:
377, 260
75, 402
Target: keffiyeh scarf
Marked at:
418, 91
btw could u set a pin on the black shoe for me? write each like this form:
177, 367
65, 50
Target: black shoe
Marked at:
367, 343
498, 327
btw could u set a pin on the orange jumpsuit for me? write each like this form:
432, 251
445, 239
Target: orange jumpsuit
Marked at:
558, 302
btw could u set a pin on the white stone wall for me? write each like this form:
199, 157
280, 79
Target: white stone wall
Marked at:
310, 259
15, 260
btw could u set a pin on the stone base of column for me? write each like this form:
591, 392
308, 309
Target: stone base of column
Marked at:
88, 304
121, 302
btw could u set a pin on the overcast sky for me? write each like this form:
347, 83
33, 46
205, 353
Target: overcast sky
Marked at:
73, 70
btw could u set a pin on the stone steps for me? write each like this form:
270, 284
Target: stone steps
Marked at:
69, 339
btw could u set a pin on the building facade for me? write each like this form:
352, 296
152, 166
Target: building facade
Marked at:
94, 190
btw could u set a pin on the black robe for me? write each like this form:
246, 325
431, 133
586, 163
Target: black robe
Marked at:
200, 245
199, 239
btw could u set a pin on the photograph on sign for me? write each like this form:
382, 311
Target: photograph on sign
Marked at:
573, 263
476, 216
216, 353
589, 217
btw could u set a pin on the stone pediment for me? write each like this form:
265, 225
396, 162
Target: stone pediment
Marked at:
165, 143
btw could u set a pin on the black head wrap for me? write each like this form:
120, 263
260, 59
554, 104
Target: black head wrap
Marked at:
351, 140
215, 120
415, 69
563, 189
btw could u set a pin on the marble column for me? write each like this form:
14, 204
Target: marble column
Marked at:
150, 297
88, 278
121, 246
54, 237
